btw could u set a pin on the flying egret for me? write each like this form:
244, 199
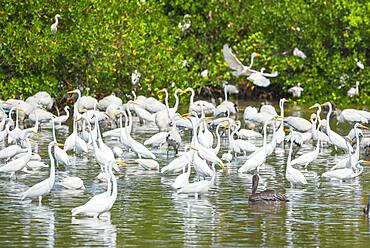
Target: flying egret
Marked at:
235, 64
259, 78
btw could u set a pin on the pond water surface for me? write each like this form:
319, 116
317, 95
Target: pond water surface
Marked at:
148, 212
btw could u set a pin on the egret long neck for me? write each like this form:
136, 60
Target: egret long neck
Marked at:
290, 155
176, 106
328, 117
265, 136
114, 182
217, 148
52, 164
357, 152
252, 60
225, 92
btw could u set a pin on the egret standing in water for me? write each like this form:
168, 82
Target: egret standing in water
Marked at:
44, 187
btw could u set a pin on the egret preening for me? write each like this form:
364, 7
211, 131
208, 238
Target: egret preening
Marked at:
54, 26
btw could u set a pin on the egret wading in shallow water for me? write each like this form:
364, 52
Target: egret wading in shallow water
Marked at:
44, 187
334, 138
294, 176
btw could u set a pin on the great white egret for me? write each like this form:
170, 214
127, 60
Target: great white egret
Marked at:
335, 139
353, 115
19, 163
266, 195
44, 187
299, 53
296, 90
359, 64
54, 26
280, 133
63, 118
235, 64
199, 187
260, 78
354, 91
257, 158
294, 176
102, 203
148, 164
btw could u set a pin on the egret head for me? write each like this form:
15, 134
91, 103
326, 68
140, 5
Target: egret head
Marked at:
57, 16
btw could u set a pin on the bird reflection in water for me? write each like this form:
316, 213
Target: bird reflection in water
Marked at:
89, 228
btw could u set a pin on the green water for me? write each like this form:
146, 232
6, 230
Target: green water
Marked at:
148, 212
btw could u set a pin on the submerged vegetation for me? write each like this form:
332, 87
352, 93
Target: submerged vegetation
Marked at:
99, 44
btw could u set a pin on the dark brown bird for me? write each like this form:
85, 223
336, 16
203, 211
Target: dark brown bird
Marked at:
266, 195
367, 207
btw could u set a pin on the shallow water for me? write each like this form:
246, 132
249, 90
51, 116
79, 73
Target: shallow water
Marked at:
148, 212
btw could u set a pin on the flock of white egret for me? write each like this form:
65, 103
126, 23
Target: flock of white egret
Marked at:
195, 163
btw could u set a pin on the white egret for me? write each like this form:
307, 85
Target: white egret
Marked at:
299, 53
108, 100
183, 178
157, 139
298, 123
63, 118
260, 79
101, 203
296, 90
307, 158
235, 64
294, 176
197, 106
199, 187
359, 64
354, 91
148, 164
239, 146
257, 158
60, 155
19, 163
54, 26
346, 173
280, 133
353, 115
74, 183
11, 150
44, 187
335, 139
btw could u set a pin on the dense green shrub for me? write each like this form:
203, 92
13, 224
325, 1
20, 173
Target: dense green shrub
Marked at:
100, 43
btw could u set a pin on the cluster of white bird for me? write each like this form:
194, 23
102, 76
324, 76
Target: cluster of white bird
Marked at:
260, 78
200, 155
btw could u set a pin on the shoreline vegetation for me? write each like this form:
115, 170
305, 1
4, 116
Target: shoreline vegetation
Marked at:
99, 46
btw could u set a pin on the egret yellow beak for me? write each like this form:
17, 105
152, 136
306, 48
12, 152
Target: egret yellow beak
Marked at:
194, 148
366, 162
121, 163
186, 115
183, 92
208, 118
313, 106
34, 132
118, 113
60, 144
71, 91
278, 118
222, 165
362, 126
